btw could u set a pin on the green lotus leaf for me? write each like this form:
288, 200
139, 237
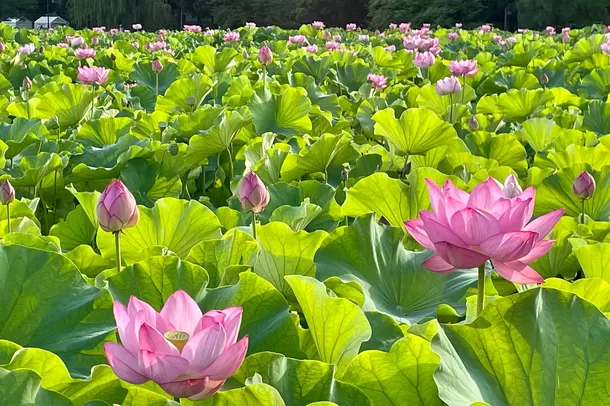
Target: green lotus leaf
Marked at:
20, 134
415, 132
255, 394
503, 148
49, 305
519, 104
402, 376
219, 137
140, 396
595, 85
327, 102
428, 98
149, 182
285, 114
539, 133
560, 259
393, 279
592, 259
104, 131
597, 117
199, 120
185, 95
539, 347
88, 261
75, 230
300, 382
386, 331
172, 223
298, 218
598, 157
70, 104
32, 240
593, 290
23, 387
518, 80
239, 93
33, 169
584, 49
212, 60
143, 74
337, 325
316, 67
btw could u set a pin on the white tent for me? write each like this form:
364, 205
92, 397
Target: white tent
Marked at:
20, 22
52, 21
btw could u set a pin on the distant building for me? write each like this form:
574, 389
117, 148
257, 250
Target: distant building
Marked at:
52, 21
20, 22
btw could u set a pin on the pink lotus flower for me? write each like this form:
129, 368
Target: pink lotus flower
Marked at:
465, 230
192, 28
392, 26
116, 208
318, 25
485, 28
26, 49
404, 27
7, 192
497, 38
379, 81
511, 40
458, 25
448, 85
157, 66
231, 36
137, 27
27, 83
351, 27
2, 47
424, 60
162, 32
63, 45
84, 53
253, 193
155, 46
390, 48
550, 30
363, 37
189, 354
251, 25
584, 186
605, 48
453, 36
337, 38
333, 46
95, 40
464, 67
313, 48
76, 42
297, 39
114, 31
426, 25
98, 29
265, 56
91, 75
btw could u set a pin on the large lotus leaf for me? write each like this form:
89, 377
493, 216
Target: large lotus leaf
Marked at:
239, 92
185, 95
212, 60
298, 218
172, 223
269, 166
266, 318
47, 304
539, 133
393, 279
597, 117
88, 261
584, 49
137, 396
540, 347
316, 67
235, 248
338, 326
428, 97
70, 104
20, 134
598, 157
155, 279
104, 131
23, 387
517, 80
556, 192
286, 252
402, 376
199, 120
328, 149
560, 259
504, 148
33, 169
593, 260
594, 290
327, 102
285, 114
416, 131
595, 85
88, 200
101, 385
352, 75
518, 104
32, 240
300, 382
143, 74
386, 331
219, 137
149, 182
75, 230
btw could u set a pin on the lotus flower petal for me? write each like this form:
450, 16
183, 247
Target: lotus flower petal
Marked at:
437, 264
544, 224
474, 226
460, 258
123, 363
183, 312
517, 272
509, 246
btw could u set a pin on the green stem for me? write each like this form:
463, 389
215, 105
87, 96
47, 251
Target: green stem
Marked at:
176, 399
451, 108
27, 104
117, 246
463, 88
92, 101
254, 225
481, 289
55, 198
582, 212
264, 79
8, 216
157, 84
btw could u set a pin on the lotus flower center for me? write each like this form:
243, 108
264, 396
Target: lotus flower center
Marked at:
178, 338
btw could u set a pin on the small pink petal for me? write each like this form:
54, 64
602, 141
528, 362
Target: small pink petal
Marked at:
454, 192
437, 232
182, 311
415, 229
517, 215
517, 272
437, 264
211, 388
228, 362
509, 246
460, 258
123, 363
187, 388
474, 226
544, 224
205, 346
161, 368
539, 249
151, 340
485, 194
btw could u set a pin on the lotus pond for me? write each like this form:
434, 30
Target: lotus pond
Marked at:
431, 216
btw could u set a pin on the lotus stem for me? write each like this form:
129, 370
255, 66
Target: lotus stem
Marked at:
117, 246
481, 289
55, 198
157, 83
8, 216
254, 225
451, 108
582, 212
264, 79
463, 88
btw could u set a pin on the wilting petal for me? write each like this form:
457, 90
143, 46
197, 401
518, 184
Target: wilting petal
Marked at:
211, 388
187, 388
485, 194
517, 215
151, 340
544, 224
452, 191
474, 226
182, 311
161, 368
124, 364
228, 362
205, 346
460, 258
437, 264
509, 246
539, 249
517, 272
437, 232
415, 229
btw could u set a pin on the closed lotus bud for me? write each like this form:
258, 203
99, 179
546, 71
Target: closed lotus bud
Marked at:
173, 149
117, 208
253, 193
544, 79
2, 47
7, 192
265, 56
157, 66
512, 187
584, 186
27, 83
473, 123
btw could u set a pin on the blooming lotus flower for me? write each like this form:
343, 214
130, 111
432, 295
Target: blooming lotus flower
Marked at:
114, 31
231, 36
63, 45
463, 68
392, 26
448, 85
297, 39
265, 56
337, 38
605, 48
95, 40
458, 25
116, 208
162, 32
26, 49
97, 29
404, 27
511, 40
423, 60
91, 75
584, 186
189, 354
390, 48
465, 230
253, 193
485, 28
318, 25
157, 66
192, 28
137, 27
333, 46
351, 27
313, 48
363, 37
84, 53
251, 25
379, 81
76, 42
550, 30
453, 36
7, 192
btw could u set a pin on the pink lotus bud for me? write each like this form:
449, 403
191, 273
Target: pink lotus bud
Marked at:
265, 56
511, 187
251, 25
27, 83
473, 123
7, 192
544, 79
453, 36
392, 26
253, 193
351, 27
448, 85
232, 36
458, 25
137, 27
117, 208
584, 186
95, 40
157, 66
2, 47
